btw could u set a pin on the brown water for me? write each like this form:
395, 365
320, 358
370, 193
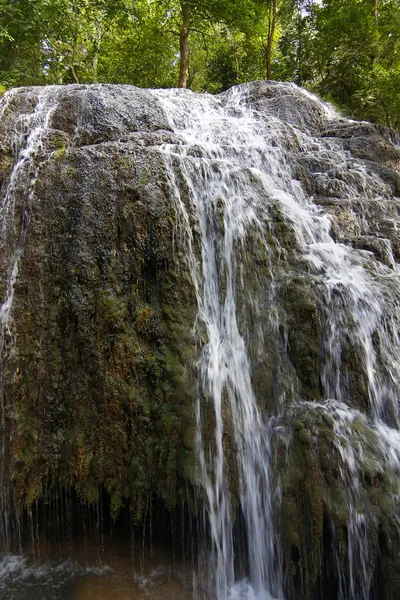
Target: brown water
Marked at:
94, 567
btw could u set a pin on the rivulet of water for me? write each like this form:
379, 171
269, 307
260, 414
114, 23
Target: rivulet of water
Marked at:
26, 142
225, 207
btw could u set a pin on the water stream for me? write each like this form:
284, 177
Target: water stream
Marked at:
26, 142
235, 168
229, 143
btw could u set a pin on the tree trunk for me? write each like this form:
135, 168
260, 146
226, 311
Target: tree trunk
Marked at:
74, 50
99, 35
184, 45
375, 10
271, 33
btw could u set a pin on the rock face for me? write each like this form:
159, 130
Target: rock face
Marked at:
98, 352
133, 218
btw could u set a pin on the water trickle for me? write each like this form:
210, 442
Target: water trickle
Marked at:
231, 152
26, 143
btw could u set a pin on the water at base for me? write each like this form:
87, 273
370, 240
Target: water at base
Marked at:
85, 568
243, 590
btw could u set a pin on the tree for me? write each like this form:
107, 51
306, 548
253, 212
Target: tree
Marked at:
20, 43
186, 9
202, 15
273, 7
348, 51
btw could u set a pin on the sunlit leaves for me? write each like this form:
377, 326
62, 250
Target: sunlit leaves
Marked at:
344, 50
349, 53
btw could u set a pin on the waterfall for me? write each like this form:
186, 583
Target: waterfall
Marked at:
231, 162
217, 181
287, 235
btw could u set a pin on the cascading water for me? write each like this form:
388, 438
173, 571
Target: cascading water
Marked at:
268, 203
217, 181
222, 142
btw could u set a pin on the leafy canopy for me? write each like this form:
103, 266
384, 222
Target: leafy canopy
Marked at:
348, 51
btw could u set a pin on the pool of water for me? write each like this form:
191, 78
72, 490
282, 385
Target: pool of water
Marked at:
99, 567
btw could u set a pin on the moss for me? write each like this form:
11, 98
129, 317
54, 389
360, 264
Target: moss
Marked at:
111, 308
104, 399
126, 162
303, 334
60, 153
304, 436
6, 162
317, 496
303, 510
145, 177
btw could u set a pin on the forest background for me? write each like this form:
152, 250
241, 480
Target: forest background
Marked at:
347, 51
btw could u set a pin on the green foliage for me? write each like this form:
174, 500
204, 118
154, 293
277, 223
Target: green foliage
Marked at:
348, 51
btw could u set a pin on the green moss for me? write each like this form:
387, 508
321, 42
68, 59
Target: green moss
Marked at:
303, 509
60, 153
113, 354
144, 177
126, 162
6, 162
112, 309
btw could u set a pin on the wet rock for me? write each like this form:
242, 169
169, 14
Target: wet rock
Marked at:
381, 247
103, 113
387, 174
286, 102
348, 129
373, 147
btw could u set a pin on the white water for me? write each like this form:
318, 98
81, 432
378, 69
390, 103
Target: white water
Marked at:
26, 143
231, 143
232, 166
